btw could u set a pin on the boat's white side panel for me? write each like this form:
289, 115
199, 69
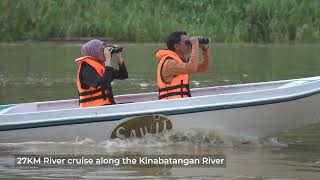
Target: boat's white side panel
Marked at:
255, 121
95, 131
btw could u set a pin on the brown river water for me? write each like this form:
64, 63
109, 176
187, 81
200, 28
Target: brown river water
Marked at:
46, 71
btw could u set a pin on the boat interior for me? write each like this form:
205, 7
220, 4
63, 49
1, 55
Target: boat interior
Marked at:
143, 97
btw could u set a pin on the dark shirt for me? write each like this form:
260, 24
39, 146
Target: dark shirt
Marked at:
90, 77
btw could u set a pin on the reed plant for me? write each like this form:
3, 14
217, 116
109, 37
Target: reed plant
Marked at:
253, 21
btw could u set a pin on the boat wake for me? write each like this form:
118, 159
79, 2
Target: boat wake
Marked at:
189, 137
180, 138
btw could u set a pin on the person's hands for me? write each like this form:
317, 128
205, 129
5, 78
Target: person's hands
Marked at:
194, 40
119, 57
107, 55
204, 47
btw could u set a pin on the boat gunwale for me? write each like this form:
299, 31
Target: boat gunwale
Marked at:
4, 110
173, 111
194, 89
125, 104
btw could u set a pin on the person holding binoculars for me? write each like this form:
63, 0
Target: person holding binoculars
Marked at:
95, 73
174, 67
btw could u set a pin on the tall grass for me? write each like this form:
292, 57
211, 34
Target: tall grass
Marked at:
152, 20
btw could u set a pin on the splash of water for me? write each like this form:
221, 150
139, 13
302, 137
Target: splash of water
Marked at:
187, 137
190, 137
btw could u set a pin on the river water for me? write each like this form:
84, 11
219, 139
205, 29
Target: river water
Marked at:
46, 71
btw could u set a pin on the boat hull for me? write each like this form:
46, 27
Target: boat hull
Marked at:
250, 120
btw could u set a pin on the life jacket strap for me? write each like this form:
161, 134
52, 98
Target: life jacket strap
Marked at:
94, 98
175, 94
174, 87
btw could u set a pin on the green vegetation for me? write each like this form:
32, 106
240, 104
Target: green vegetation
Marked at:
152, 20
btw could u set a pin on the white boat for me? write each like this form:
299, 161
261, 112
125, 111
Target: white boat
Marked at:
252, 110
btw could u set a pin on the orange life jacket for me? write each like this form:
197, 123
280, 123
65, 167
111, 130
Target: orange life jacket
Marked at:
93, 96
179, 85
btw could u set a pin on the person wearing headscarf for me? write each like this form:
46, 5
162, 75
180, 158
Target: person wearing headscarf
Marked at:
95, 74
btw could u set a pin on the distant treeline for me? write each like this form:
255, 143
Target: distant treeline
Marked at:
259, 21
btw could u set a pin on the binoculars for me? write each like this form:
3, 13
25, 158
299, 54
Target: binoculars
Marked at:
115, 48
203, 40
